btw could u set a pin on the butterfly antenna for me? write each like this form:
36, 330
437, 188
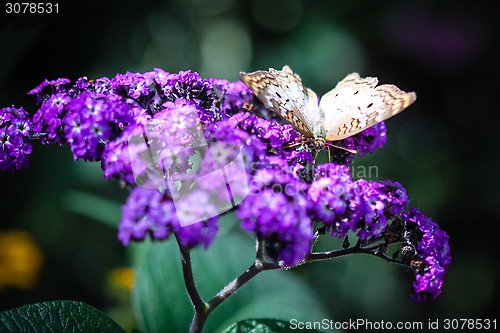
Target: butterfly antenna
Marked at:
294, 145
352, 151
300, 141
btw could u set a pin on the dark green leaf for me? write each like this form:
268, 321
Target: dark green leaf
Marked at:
57, 316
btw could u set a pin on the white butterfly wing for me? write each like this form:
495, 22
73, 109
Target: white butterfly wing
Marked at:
283, 92
356, 104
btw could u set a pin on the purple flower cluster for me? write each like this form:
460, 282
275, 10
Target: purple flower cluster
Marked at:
15, 145
191, 86
276, 211
345, 205
156, 151
144, 127
432, 253
93, 119
162, 142
190, 149
93, 113
80, 116
150, 212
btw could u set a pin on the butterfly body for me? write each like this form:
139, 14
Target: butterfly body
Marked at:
354, 105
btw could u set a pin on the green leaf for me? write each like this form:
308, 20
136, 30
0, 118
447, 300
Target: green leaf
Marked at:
264, 326
162, 305
57, 316
103, 210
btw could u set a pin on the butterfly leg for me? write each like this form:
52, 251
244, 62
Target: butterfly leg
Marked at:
314, 162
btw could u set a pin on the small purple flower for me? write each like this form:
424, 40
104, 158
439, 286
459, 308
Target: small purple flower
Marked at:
189, 85
103, 85
15, 144
370, 139
429, 281
158, 75
115, 160
150, 212
81, 85
48, 120
222, 174
396, 199
332, 170
335, 200
197, 234
231, 131
47, 88
276, 210
92, 119
86, 116
134, 85
433, 241
430, 251
139, 215
197, 216
232, 96
371, 203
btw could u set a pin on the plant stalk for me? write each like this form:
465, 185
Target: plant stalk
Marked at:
203, 309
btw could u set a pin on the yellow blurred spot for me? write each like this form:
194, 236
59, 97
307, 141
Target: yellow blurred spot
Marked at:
20, 260
122, 277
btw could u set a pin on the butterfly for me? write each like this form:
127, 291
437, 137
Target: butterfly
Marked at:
354, 105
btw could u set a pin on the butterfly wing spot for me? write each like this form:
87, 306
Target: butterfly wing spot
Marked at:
369, 105
354, 124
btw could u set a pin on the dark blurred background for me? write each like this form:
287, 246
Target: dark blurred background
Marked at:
443, 149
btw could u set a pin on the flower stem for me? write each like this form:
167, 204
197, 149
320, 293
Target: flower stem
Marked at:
240, 281
318, 256
200, 307
203, 309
